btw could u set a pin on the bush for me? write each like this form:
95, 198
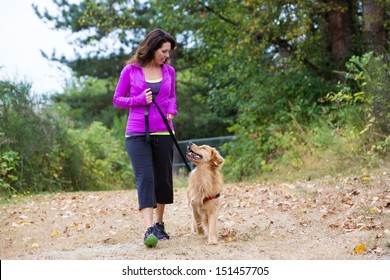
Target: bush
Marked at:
33, 137
286, 122
102, 162
281, 104
9, 162
38, 152
366, 85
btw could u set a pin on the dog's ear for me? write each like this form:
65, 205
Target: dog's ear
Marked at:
216, 158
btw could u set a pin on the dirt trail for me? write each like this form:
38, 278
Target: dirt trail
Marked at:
329, 218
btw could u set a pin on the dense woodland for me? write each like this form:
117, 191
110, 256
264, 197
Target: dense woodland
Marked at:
296, 82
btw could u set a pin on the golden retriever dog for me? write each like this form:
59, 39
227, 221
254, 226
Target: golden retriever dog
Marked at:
204, 189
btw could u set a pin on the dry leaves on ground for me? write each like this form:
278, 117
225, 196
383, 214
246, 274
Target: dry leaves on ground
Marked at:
329, 218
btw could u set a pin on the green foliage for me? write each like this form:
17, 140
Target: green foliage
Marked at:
277, 109
39, 152
9, 162
195, 119
85, 100
261, 70
367, 84
31, 135
95, 25
377, 85
320, 148
104, 164
287, 132
351, 91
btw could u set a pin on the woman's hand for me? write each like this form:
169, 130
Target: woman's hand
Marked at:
148, 95
170, 117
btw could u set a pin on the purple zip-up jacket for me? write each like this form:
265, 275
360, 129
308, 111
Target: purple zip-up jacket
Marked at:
129, 94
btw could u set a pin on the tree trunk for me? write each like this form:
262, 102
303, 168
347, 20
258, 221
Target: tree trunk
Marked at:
340, 22
374, 33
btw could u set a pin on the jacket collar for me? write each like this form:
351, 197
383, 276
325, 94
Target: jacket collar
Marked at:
164, 67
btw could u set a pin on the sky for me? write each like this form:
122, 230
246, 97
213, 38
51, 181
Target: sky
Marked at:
22, 36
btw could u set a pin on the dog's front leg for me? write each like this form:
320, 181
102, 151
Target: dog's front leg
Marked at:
196, 221
212, 225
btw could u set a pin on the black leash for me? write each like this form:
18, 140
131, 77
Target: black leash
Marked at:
172, 135
146, 116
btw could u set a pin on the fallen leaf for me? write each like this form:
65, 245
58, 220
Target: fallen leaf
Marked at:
55, 234
334, 225
229, 240
361, 249
365, 178
355, 192
35, 246
347, 200
107, 240
373, 210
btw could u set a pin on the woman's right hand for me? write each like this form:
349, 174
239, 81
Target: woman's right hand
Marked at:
148, 95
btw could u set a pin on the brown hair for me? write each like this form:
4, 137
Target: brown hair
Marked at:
152, 42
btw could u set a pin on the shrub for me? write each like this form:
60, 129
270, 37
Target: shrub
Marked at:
284, 123
33, 136
39, 152
103, 162
9, 162
366, 85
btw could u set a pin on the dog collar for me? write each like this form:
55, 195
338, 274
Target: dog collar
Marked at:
211, 197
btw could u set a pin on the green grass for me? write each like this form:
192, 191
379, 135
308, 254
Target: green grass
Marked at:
324, 150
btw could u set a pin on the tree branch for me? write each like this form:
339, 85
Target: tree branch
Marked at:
219, 15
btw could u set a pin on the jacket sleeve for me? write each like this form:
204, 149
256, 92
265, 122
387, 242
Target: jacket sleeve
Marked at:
172, 106
122, 98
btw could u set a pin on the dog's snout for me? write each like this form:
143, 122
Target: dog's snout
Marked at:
189, 144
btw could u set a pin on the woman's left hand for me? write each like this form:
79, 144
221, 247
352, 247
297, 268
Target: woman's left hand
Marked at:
170, 117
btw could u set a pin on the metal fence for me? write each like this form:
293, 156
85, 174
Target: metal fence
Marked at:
215, 142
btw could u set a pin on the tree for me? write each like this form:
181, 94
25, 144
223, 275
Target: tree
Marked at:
288, 29
374, 32
341, 29
123, 24
108, 29
86, 100
260, 65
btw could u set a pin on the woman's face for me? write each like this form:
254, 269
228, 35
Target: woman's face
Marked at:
162, 54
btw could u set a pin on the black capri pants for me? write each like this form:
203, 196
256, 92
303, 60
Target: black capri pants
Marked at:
152, 164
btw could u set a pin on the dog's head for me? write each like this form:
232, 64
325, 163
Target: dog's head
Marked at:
204, 154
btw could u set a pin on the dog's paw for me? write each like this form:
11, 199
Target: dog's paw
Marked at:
213, 241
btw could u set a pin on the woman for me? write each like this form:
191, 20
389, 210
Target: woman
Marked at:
145, 77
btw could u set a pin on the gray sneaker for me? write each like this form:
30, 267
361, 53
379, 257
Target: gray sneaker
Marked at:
160, 231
